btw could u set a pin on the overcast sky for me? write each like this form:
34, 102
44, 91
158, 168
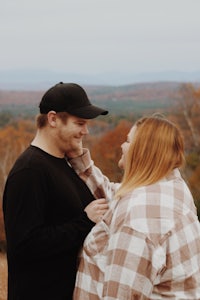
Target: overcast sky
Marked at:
96, 36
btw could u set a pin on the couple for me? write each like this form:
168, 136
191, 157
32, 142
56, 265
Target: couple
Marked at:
145, 246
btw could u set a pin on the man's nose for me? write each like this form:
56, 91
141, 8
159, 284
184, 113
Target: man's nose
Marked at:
85, 129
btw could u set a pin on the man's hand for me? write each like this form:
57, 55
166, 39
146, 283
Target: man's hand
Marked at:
96, 209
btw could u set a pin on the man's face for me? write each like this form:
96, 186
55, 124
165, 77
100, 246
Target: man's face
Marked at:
71, 133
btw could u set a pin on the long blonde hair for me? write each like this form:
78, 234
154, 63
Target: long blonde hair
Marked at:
156, 149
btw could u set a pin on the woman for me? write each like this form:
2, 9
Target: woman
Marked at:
147, 246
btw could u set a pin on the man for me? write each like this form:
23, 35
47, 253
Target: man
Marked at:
48, 209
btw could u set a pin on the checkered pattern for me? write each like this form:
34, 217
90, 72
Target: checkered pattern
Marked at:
146, 247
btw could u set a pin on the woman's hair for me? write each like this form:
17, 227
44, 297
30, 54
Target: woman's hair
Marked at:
156, 149
42, 119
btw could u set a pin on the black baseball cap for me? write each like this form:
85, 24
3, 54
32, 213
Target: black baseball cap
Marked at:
71, 98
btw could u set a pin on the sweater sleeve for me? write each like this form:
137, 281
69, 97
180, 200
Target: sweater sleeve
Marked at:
133, 263
98, 183
29, 236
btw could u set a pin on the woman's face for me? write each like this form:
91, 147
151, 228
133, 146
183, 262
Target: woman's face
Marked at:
125, 146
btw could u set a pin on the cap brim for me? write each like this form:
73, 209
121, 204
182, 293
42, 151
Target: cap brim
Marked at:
88, 112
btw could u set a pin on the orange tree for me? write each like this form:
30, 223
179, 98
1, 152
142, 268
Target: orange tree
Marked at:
13, 140
107, 150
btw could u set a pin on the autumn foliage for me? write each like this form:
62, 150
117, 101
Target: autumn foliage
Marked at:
13, 140
105, 141
107, 150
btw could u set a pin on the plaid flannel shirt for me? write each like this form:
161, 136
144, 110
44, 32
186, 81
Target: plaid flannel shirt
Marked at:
146, 247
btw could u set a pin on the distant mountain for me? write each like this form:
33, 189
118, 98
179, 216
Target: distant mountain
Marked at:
116, 99
159, 91
42, 79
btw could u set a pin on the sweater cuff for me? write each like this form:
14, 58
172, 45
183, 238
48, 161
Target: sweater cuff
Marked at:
81, 163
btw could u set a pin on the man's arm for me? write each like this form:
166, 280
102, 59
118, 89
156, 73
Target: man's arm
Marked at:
28, 234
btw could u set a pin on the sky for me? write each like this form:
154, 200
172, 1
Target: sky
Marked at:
98, 36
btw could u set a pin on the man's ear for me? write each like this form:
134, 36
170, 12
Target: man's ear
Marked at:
52, 118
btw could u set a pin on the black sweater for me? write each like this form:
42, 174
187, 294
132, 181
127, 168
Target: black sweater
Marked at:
45, 226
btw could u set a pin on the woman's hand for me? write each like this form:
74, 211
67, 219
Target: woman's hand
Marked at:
96, 209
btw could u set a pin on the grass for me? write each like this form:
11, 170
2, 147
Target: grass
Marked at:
3, 277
